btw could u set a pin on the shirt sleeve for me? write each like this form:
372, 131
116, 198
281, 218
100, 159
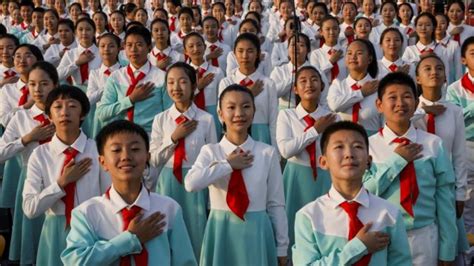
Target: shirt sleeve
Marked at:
459, 158
181, 249
110, 105
398, 251
84, 247
378, 178
161, 146
67, 65
94, 92
339, 99
10, 143
289, 144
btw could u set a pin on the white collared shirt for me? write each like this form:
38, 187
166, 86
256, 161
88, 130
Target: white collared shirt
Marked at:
4, 69
263, 181
53, 54
384, 64
264, 67
320, 59
467, 32
43, 194
162, 147
169, 52
453, 54
225, 51
9, 96
97, 81
67, 67
210, 92
43, 38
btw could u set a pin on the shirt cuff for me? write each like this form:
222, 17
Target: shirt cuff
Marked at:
126, 243
126, 103
355, 249
54, 188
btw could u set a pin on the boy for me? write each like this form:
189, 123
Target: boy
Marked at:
216, 51
37, 24
26, 11
424, 187
135, 92
127, 221
8, 44
461, 93
334, 229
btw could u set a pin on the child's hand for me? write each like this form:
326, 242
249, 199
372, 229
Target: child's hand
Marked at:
409, 152
142, 92
445, 263
323, 122
375, 23
335, 56
436, 109
29, 103
215, 54
256, 88
405, 68
74, 171
240, 160
349, 32
459, 208
282, 36
282, 261
369, 87
163, 63
9, 80
148, 228
183, 130
39, 133
374, 241
456, 30
205, 81
84, 58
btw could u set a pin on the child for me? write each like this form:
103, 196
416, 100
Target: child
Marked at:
445, 120
101, 24
277, 30
50, 35
279, 54
391, 42
452, 49
247, 52
461, 93
353, 98
75, 10
176, 139
405, 17
459, 30
388, 12
313, 24
424, 187
141, 15
67, 42
134, 92
57, 188
247, 223
369, 11
349, 12
37, 26
208, 77
185, 17
8, 44
117, 24
227, 32
298, 131
173, 7
162, 55
216, 51
127, 222
329, 58
349, 225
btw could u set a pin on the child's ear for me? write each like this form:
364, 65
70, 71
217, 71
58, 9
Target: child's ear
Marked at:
102, 163
323, 162
463, 61
369, 161
378, 104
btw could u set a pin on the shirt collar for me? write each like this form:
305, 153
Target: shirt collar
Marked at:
71, 46
239, 76
301, 112
79, 144
20, 84
428, 102
388, 135
93, 49
336, 198
204, 65
387, 62
350, 81
290, 65
142, 201
103, 67
421, 46
445, 40
326, 48
229, 147
166, 51
471, 78
145, 68
190, 114
34, 110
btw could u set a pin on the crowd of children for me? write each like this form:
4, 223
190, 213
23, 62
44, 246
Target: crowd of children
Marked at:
237, 132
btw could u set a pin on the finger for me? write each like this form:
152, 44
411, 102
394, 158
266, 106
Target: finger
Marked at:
138, 217
367, 227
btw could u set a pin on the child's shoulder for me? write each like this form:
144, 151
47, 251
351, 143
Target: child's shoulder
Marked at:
163, 204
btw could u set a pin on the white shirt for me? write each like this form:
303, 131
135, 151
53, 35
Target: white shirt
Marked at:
42, 193
97, 81
467, 32
67, 67
320, 59
275, 29
384, 67
453, 54
210, 91
266, 102
280, 54
43, 38
53, 56
264, 66
9, 96
341, 98
5, 70
223, 58
412, 53
162, 147
263, 181
169, 52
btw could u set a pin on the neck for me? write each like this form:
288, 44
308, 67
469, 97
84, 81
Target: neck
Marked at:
425, 41
8, 64
237, 138
432, 94
356, 75
40, 105
162, 45
309, 106
471, 72
182, 106
108, 62
197, 61
138, 65
69, 43
86, 44
440, 35
348, 188
38, 30
52, 31
391, 57
331, 43
247, 71
212, 39
68, 136
24, 78
388, 23
399, 128
128, 190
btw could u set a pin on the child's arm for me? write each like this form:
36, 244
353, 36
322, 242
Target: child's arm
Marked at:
110, 105
67, 65
94, 91
273, 110
459, 157
379, 177
206, 170
181, 249
398, 251
10, 142
161, 145
276, 204
288, 144
445, 209
340, 99
6, 110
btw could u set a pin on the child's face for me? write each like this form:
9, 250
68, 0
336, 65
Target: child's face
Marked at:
185, 22
330, 30
159, 14
346, 157
368, 7
424, 27
431, 74
108, 49
442, 25
210, 29
25, 13
397, 105
66, 34
112, 4
309, 86
7, 46
301, 49
171, 7
388, 14
357, 57
160, 32
23, 60
285, 10
236, 111
229, 7
85, 33
117, 21
124, 157
468, 59
94, 4
218, 13
66, 114
246, 54
317, 15
405, 13
349, 12
179, 86
136, 50
363, 29
37, 19
141, 16
391, 44
40, 85
194, 47
335, 5
50, 21
99, 22
255, 7
75, 13
5, 8
59, 5
248, 27
455, 14
16, 16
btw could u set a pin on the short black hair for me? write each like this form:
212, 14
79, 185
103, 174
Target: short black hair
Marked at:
188, 70
38, 10
68, 92
323, 6
48, 68
139, 31
396, 78
66, 22
185, 10
27, 3
118, 127
11, 37
3, 30
339, 126
236, 88
469, 41
33, 49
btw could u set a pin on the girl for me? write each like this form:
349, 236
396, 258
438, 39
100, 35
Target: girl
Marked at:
66, 42
94, 7
8, 44
298, 131
349, 12
363, 28
176, 139
256, 28
101, 24
216, 51
60, 6
246, 190
405, 17
227, 31
79, 61
163, 54
117, 24
457, 28
141, 15
369, 10
280, 53
256, 7
277, 29
283, 75
208, 75
388, 13
391, 43
353, 98
197, 19
249, 26
185, 17
173, 7
50, 36
109, 47
247, 52
452, 49
313, 24
74, 10
329, 58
